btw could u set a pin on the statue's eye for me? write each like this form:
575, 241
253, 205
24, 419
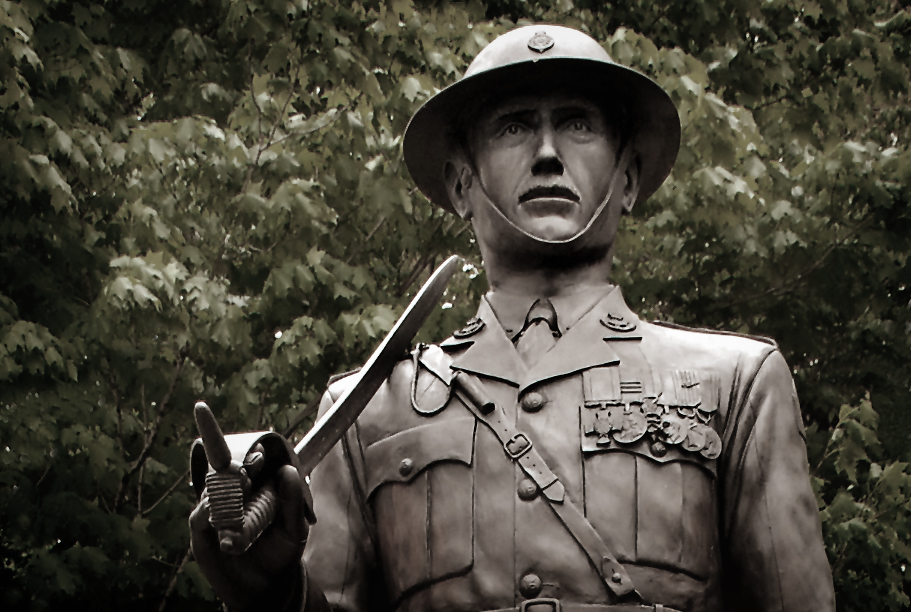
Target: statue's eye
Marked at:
577, 125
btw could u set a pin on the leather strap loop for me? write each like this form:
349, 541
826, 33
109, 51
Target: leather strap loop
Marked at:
470, 392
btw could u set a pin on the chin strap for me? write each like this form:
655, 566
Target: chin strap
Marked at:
619, 170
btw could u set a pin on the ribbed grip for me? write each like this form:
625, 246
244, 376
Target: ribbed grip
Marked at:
259, 513
226, 500
238, 524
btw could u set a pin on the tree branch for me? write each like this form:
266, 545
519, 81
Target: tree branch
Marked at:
364, 242
167, 185
167, 493
117, 407
142, 469
309, 409
262, 410
137, 464
416, 270
420, 264
171, 585
281, 115
801, 276
338, 116
265, 143
762, 105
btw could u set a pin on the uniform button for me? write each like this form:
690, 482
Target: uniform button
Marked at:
658, 448
530, 585
617, 578
528, 490
532, 401
406, 466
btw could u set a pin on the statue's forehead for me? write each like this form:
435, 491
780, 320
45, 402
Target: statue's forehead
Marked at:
533, 101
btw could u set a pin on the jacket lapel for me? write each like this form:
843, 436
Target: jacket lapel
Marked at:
491, 352
587, 343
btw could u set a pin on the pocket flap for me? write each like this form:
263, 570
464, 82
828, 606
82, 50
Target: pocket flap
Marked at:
402, 456
642, 448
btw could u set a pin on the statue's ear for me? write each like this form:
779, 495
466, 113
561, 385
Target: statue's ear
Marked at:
631, 185
458, 176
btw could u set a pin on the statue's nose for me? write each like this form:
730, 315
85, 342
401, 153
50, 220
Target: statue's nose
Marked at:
547, 159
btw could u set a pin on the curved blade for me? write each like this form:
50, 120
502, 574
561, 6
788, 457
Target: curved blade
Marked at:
330, 428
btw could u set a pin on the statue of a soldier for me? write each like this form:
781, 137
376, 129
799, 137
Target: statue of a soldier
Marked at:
557, 453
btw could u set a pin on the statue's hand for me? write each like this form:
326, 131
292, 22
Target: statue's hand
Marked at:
265, 575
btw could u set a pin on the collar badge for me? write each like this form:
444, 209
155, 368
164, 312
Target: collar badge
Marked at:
617, 323
471, 328
540, 42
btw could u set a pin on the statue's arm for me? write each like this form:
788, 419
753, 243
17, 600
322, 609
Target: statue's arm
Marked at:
775, 558
340, 558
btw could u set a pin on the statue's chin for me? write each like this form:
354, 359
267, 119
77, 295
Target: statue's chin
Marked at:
552, 229
539, 232
537, 248
550, 218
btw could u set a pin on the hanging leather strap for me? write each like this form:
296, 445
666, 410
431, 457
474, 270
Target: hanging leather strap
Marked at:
520, 449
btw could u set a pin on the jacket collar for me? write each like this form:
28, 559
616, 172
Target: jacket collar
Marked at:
512, 309
490, 353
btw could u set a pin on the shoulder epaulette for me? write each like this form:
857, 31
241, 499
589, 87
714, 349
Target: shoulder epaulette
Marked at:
337, 377
716, 332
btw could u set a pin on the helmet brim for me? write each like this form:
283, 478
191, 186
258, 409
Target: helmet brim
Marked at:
654, 131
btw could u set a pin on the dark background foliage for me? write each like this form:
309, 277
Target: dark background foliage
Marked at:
207, 199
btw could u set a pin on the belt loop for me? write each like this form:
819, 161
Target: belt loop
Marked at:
659, 608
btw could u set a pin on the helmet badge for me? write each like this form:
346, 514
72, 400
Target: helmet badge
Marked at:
540, 42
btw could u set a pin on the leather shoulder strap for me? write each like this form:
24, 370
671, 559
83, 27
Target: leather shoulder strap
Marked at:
520, 449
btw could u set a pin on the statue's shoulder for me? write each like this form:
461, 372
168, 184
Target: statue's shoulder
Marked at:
339, 383
425, 360
714, 333
417, 388
681, 346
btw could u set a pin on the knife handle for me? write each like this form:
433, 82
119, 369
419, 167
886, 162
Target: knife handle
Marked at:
226, 509
240, 524
241, 497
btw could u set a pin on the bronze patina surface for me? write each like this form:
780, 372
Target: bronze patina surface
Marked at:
557, 453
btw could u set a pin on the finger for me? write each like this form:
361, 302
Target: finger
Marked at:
199, 518
255, 460
203, 538
290, 489
283, 543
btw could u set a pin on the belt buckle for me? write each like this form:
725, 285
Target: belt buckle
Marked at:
522, 445
532, 605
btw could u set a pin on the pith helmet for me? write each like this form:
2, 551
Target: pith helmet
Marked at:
545, 55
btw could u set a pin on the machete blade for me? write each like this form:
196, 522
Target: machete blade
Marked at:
330, 428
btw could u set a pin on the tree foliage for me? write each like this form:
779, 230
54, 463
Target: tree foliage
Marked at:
207, 199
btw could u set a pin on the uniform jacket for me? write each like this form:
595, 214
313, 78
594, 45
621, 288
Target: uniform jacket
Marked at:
685, 449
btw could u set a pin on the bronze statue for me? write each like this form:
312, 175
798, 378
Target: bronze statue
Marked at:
557, 453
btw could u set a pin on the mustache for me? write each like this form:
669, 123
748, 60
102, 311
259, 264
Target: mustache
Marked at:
549, 191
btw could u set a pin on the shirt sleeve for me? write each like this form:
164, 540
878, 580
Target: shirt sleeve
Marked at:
340, 557
774, 556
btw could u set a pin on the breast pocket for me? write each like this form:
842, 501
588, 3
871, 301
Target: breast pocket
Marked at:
420, 486
659, 512
651, 465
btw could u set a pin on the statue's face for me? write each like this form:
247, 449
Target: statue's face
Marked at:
545, 161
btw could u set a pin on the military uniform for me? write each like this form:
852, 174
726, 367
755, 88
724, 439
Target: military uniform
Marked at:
624, 467
683, 449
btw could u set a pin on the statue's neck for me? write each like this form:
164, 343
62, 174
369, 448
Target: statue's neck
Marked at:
542, 276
